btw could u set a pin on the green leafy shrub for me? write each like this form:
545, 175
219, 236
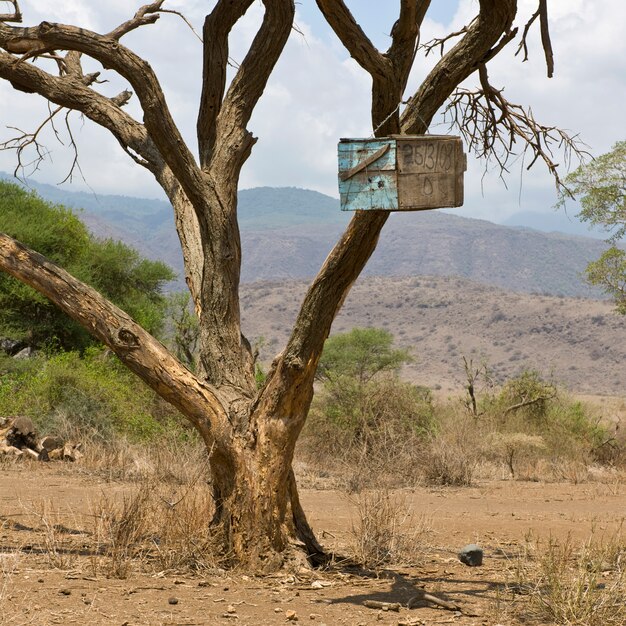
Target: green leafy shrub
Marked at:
92, 395
113, 268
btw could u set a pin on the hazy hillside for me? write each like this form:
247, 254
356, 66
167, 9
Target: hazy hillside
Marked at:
287, 233
580, 343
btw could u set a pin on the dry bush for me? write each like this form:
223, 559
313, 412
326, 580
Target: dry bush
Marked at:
120, 532
453, 453
9, 564
156, 529
569, 586
514, 448
55, 540
385, 531
167, 459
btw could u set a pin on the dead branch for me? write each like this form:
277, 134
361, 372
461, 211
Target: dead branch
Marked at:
492, 126
147, 14
542, 14
16, 16
494, 19
383, 606
182, 17
472, 375
549, 393
428, 598
523, 44
429, 46
26, 140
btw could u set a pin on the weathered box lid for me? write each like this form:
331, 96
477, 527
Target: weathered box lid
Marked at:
401, 173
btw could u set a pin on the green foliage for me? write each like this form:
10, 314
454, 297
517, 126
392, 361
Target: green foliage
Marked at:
93, 395
362, 402
530, 405
601, 187
609, 272
113, 268
185, 327
361, 354
528, 393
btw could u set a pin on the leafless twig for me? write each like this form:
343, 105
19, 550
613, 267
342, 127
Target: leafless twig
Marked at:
147, 14
25, 140
542, 14
492, 126
182, 17
429, 46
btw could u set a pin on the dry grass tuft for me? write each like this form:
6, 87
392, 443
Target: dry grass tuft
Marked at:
573, 586
385, 531
9, 564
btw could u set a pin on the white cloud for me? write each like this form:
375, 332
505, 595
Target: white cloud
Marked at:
317, 95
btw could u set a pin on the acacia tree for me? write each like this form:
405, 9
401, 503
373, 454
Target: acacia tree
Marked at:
601, 187
250, 433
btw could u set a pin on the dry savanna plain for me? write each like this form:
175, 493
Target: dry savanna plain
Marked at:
120, 537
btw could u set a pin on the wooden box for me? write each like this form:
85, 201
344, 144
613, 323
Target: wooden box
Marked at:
401, 173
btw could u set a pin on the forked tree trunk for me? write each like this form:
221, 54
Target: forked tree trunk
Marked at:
250, 434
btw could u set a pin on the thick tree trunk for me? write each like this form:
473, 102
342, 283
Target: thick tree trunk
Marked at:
250, 458
250, 434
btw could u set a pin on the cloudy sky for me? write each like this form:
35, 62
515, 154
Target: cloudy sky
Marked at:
318, 94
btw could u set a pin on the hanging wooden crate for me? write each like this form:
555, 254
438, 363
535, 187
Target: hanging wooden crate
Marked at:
401, 173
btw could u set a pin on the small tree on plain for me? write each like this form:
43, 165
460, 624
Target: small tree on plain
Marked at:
250, 433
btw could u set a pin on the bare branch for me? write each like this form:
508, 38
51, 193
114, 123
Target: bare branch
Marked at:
75, 164
492, 126
157, 117
545, 36
542, 14
246, 88
440, 43
217, 27
16, 16
494, 19
523, 44
147, 14
361, 49
26, 140
73, 93
182, 17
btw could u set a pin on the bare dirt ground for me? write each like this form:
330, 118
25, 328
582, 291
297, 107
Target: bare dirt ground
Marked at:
43, 503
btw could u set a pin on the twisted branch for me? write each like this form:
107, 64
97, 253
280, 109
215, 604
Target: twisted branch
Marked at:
492, 126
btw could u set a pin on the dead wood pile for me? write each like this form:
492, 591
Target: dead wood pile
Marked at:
19, 437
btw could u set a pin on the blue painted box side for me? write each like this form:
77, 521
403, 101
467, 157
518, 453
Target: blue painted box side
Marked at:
376, 186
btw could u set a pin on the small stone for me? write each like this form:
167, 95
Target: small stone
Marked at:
65, 592
471, 555
40, 580
172, 600
231, 609
277, 610
291, 616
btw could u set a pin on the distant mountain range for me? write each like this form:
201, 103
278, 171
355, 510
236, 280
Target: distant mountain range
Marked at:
288, 232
